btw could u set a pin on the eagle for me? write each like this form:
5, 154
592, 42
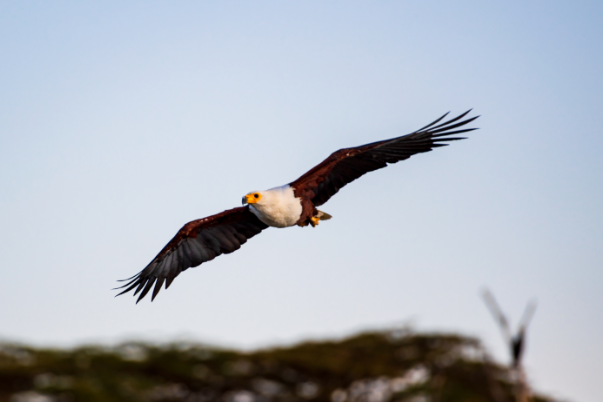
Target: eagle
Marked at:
294, 204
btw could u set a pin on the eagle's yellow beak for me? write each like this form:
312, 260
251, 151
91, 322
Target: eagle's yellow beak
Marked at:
252, 198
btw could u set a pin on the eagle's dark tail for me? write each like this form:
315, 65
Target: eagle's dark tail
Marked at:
323, 216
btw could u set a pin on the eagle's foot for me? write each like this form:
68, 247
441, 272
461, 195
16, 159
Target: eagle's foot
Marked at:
314, 221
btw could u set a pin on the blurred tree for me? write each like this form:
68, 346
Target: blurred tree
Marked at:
387, 366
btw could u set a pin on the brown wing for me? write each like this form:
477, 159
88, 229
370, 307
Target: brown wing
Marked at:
197, 242
346, 165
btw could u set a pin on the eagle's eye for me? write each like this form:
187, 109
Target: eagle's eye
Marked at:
256, 195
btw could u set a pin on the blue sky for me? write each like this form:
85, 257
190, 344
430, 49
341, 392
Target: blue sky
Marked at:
121, 122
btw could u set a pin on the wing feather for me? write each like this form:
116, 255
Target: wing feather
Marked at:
197, 242
157, 288
346, 165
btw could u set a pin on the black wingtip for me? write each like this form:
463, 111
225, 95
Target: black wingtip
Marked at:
434, 122
148, 285
446, 134
121, 287
448, 126
454, 138
123, 280
157, 288
131, 285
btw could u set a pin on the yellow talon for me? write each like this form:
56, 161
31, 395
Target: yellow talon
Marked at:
314, 221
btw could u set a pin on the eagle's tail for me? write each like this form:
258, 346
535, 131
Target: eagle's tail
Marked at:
323, 216
320, 216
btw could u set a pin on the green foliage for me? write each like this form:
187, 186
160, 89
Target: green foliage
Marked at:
391, 366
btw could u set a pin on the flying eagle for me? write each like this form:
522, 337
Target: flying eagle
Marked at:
293, 204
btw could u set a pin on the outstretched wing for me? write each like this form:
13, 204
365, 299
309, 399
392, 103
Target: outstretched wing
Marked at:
197, 242
346, 165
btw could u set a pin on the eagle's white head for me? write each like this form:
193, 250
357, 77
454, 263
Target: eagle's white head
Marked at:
254, 197
275, 207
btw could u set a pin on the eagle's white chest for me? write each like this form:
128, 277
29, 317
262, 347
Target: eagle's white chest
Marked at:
278, 207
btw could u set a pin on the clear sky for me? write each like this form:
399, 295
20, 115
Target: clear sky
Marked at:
120, 122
